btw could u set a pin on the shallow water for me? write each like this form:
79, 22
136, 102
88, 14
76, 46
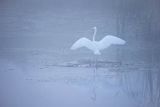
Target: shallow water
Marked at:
35, 80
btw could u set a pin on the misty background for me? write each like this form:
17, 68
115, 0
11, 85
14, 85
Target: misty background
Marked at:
36, 35
56, 24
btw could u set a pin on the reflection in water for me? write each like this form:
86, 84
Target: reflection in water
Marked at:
94, 82
142, 86
125, 85
139, 84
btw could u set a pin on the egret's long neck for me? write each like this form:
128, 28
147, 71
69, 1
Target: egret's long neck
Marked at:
94, 34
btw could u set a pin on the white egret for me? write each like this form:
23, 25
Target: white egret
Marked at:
97, 46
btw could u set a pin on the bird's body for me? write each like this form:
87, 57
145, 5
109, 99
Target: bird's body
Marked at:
97, 46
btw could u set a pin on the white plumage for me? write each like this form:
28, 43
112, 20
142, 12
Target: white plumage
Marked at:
97, 46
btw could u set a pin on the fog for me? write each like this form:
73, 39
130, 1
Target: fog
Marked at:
35, 41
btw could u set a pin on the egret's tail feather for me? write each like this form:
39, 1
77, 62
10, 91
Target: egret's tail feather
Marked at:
97, 53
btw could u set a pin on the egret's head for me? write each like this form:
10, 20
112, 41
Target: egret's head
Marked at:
94, 28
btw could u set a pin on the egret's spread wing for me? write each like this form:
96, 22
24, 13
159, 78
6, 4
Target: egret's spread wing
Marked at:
109, 40
82, 42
